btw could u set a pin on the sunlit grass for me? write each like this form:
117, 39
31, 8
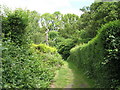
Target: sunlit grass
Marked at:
63, 76
69, 76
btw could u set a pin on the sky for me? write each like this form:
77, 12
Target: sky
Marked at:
49, 6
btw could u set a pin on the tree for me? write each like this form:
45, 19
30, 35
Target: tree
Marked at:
50, 22
33, 27
70, 26
46, 22
97, 15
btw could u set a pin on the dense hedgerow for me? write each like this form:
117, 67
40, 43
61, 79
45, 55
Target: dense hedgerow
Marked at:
22, 66
99, 58
112, 47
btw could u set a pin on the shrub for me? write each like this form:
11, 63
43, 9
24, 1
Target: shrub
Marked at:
22, 67
64, 47
112, 47
44, 48
49, 54
14, 26
99, 58
53, 34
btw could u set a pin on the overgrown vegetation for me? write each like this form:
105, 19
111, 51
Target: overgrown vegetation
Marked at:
99, 58
22, 65
32, 44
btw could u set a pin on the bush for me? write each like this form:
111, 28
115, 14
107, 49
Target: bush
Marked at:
112, 48
99, 58
53, 35
22, 67
49, 55
14, 26
44, 48
64, 47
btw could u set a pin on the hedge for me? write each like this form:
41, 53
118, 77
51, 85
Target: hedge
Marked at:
100, 57
22, 65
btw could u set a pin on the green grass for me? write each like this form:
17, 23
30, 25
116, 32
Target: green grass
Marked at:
69, 76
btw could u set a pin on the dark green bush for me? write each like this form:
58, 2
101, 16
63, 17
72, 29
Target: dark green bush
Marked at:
64, 48
53, 34
99, 58
14, 26
112, 48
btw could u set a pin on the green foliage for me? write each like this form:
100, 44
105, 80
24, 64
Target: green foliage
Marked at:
33, 66
37, 37
70, 26
97, 15
22, 68
99, 58
53, 35
33, 27
44, 48
112, 47
65, 46
22, 65
14, 25
49, 54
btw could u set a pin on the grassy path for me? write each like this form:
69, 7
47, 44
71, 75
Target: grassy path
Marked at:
70, 77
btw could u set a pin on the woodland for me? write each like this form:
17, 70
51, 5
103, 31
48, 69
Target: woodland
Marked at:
61, 50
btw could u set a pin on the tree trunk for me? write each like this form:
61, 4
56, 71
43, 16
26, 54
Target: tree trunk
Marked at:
46, 37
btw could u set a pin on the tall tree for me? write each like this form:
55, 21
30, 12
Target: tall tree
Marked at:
46, 22
70, 26
97, 15
33, 27
50, 22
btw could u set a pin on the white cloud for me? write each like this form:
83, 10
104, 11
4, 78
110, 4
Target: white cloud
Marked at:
43, 6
